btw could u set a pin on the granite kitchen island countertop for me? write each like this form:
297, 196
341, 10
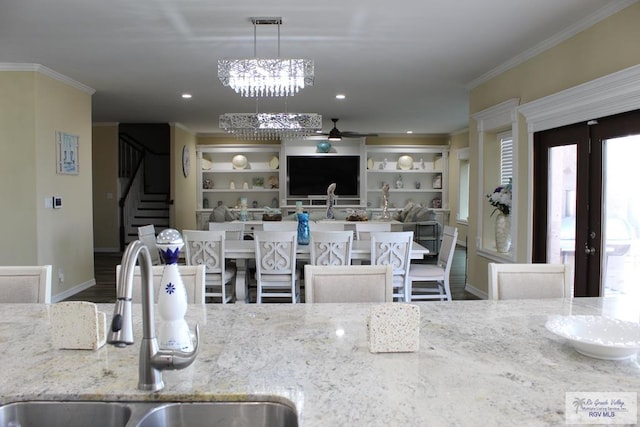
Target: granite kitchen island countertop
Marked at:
479, 363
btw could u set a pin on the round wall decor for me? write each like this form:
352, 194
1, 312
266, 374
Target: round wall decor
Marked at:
186, 161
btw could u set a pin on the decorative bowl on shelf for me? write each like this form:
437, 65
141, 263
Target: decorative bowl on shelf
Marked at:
206, 164
597, 336
323, 146
239, 161
405, 163
274, 163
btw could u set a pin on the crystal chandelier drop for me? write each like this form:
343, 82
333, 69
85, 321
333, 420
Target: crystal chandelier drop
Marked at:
263, 126
266, 76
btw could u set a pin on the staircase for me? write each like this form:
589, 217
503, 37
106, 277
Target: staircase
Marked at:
138, 207
151, 209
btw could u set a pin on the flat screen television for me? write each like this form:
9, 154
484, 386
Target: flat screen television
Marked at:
311, 175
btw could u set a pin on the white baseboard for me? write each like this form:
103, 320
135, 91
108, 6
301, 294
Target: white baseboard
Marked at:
70, 292
475, 291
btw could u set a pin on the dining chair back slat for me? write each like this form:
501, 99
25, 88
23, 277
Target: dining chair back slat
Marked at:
193, 278
330, 247
208, 248
147, 235
524, 280
348, 284
25, 284
394, 248
276, 272
431, 281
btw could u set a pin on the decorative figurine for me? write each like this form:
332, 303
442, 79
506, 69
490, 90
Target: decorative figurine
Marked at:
399, 183
331, 200
385, 203
244, 214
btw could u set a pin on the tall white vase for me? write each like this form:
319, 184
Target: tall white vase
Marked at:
503, 232
173, 331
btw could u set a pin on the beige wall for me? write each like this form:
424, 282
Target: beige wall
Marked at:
183, 189
607, 47
18, 183
106, 236
33, 107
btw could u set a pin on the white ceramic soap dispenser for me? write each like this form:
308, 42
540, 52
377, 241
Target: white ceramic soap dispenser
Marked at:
173, 331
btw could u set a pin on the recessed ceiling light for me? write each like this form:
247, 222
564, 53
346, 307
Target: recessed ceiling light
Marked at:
340, 96
186, 95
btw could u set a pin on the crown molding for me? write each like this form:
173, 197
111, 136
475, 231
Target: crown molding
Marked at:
612, 94
37, 68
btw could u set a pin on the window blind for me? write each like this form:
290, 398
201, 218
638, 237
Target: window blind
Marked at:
506, 157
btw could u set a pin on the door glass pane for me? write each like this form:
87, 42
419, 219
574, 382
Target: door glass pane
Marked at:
562, 205
621, 210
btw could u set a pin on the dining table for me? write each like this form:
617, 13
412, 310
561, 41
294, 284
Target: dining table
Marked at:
243, 250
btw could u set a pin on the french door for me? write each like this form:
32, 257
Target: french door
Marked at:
587, 202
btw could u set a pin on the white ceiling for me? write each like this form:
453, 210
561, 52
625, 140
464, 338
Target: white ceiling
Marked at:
403, 65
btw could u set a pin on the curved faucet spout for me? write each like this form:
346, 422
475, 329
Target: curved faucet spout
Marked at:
152, 360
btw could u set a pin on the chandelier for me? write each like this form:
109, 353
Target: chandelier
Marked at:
262, 126
266, 76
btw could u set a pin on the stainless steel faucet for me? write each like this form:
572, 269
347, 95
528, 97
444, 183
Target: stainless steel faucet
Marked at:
152, 360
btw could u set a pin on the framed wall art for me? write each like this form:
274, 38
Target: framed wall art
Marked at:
67, 161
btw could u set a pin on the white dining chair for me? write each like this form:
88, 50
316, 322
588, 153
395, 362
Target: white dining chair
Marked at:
207, 248
280, 225
276, 272
330, 247
364, 229
524, 281
348, 284
233, 230
193, 278
25, 284
147, 235
394, 248
431, 281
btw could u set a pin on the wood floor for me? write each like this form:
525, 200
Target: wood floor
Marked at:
105, 268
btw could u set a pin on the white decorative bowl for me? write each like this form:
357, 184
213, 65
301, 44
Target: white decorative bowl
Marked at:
206, 164
239, 161
405, 163
274, 162
597, 336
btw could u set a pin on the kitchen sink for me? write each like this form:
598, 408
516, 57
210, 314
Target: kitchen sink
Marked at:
146, 414
64, 414
220, 414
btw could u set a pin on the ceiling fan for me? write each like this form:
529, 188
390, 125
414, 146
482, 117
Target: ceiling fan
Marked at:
336, 135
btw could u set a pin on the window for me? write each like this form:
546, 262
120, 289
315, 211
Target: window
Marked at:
463, 184
506, 157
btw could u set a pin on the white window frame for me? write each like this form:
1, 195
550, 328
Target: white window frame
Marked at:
498, 118
464, 179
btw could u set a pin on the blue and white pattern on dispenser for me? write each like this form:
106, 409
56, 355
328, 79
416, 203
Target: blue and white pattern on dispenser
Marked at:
173, 331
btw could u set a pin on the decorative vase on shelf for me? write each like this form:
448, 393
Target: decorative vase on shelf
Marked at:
303, 228
503, 232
